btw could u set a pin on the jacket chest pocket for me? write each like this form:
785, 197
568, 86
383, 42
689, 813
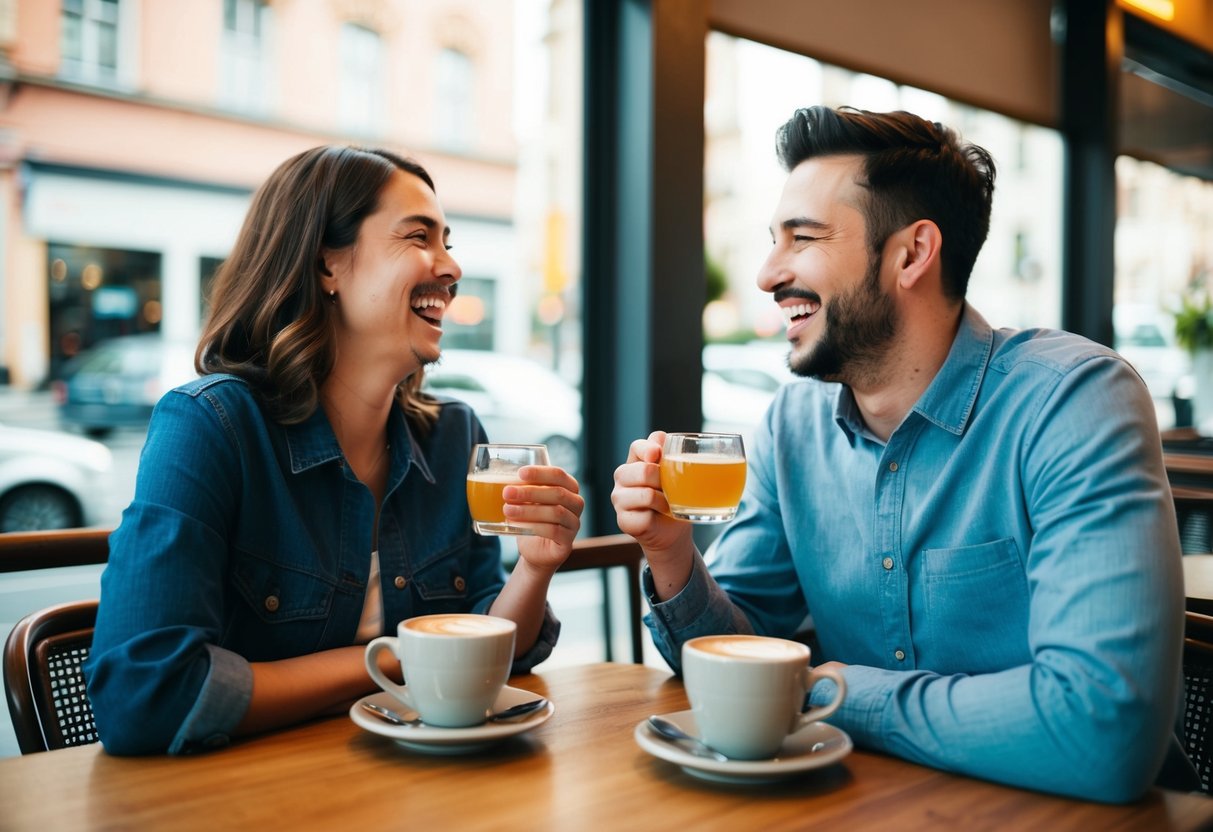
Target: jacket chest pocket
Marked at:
442, 584
280, 610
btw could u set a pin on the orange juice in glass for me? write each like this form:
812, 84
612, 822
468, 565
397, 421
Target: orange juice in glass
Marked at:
491, 468
703, 475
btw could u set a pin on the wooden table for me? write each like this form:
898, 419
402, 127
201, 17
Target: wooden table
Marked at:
580, 770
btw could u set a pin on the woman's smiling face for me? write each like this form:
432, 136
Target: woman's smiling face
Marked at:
396, 281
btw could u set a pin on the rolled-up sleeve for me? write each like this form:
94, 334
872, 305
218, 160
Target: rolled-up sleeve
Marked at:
701, 608
155, 680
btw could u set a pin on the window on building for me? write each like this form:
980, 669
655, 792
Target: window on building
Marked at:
89, 41
361, 105
243, 60
99, 293
455, 105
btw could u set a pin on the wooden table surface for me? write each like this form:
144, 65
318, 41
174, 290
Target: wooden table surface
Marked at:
580, 770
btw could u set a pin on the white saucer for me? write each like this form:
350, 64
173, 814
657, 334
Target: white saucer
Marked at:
432, 740
814, 746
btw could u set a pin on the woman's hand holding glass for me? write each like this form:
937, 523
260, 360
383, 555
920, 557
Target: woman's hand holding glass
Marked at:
548, 502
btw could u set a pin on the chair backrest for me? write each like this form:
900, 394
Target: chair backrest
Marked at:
20, 551
1198, 694
604, 552
1188, 457
43, 679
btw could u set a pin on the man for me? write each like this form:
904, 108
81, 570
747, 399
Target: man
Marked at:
978, 520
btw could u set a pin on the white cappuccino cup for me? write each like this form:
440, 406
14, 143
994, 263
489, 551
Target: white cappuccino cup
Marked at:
454, 665
747, 692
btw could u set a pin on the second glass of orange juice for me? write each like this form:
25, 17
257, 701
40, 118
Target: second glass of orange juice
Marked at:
491, 468
703, 475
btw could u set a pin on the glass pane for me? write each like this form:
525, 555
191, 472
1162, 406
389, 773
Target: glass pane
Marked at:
1164, 288
1017, 278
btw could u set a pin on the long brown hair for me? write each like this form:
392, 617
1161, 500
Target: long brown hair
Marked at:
270, 323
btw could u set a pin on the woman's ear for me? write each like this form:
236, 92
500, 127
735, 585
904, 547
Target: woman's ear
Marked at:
921, 243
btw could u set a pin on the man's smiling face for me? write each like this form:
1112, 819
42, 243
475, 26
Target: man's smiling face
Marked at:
824, 277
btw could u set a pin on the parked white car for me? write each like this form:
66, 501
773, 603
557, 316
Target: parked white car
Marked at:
51, 480
1145, 336
739, 382
517, 400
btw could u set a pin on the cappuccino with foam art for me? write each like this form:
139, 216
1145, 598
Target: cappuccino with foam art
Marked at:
454, 665
757, 648
458, 624
747, 692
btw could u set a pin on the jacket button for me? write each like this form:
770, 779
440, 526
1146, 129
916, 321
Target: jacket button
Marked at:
400, 582
900, 655
887, 563
460, 584
271, 603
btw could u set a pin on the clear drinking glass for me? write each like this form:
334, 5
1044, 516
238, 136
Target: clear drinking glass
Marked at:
491, 468
703, 475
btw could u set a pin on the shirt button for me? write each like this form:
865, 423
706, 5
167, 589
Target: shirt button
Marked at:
900, 655
887, 563
460, 584
400, 582
271, 603
893, 466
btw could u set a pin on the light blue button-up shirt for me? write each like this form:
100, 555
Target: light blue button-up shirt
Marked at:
1002, 577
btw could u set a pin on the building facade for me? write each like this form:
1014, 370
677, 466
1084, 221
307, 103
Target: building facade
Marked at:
133, 132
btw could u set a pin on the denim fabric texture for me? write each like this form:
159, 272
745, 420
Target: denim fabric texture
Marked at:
250, 541
1002, 577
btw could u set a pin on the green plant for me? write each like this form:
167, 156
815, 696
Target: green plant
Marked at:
1194, 321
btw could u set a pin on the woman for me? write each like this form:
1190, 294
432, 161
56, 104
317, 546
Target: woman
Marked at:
303, 495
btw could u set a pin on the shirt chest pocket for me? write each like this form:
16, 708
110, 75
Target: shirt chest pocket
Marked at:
974, 617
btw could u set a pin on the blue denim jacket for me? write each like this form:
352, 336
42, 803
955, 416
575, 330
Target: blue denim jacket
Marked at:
1002, 576
250, 541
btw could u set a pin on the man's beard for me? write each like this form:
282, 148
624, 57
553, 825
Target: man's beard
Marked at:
859, 326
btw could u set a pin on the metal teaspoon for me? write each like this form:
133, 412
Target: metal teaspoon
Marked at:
695, 745
388, 715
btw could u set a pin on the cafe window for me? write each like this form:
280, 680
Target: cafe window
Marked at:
1164, 284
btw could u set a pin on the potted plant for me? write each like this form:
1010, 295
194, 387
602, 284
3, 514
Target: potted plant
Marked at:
1194, 332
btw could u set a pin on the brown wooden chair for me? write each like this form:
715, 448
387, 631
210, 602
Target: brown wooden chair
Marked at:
43, 678
20, 551
605, 552
44, 652
1198, 694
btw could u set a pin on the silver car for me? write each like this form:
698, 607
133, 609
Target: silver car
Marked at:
51, 480
517, 399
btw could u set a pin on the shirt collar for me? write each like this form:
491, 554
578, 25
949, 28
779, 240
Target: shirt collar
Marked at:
948, 400
312, 442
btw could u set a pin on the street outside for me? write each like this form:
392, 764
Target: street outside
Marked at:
576, 597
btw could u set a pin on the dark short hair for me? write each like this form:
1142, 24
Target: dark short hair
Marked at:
270, 322
912, 169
